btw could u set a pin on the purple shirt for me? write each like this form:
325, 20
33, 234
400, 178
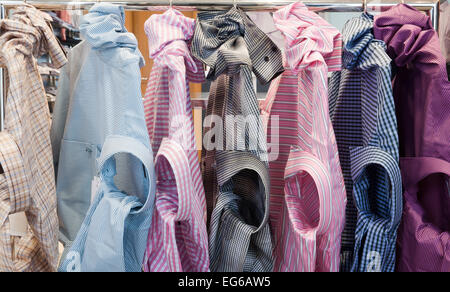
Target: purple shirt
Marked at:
422, 98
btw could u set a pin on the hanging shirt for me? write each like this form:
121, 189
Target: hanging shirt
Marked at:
113, 234
27, 183
178, 240
363, 115
98, 95
307, 203
235, 161
422, 98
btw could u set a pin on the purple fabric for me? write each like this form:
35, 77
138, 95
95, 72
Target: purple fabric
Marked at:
422, 99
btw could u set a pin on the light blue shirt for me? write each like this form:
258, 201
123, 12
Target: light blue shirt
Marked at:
99, 99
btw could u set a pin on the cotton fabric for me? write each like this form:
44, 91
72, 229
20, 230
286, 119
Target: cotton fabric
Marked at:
235, 158
363, 115
422, 97
113, 234
27, 181
178, 239
98, 95
307, 205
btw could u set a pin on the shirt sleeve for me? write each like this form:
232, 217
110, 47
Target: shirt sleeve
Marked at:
377, 190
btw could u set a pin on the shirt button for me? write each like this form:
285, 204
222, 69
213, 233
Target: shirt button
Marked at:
266, 59
274, 49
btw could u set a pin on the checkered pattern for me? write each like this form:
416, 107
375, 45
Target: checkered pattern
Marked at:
177, 242
363, 116
233, 47
31, 185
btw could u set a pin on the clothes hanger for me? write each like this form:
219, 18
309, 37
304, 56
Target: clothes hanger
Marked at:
365, 6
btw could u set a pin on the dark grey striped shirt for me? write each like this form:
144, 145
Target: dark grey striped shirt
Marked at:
235, 159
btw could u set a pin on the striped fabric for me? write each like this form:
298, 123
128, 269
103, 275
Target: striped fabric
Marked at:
307, 203
363, 116
236, 180
178, 239
113, 235
99, 94
28, 183
240, 238
104, 135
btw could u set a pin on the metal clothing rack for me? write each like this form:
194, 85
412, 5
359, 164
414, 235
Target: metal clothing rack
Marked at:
431, 7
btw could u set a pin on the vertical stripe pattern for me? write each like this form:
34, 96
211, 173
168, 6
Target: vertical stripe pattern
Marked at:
307, 189
235, 161
178, 239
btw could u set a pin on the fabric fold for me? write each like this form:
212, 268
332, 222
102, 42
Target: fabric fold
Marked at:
363, 115
376, 231
40, 38
234, 48
104, 29
308, 198
178, 239
28, 183
113, 235
425, 242
165, 47
224, 41
410, 39
422, 97
99, 95
361, 50
309, 39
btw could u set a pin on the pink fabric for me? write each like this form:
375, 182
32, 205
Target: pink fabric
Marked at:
308, 195
178, 239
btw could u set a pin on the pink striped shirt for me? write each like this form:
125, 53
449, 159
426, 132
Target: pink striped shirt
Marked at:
178, 239
308, 196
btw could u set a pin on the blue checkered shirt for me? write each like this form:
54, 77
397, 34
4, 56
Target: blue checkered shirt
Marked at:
363, 116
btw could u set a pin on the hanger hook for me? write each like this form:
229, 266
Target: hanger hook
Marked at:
365, 6
170, 4
234, 3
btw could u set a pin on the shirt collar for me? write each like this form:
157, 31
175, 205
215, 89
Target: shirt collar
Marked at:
309, 39
169, 35
226, 40
361, 50
410, 39
28, 20
104, 27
